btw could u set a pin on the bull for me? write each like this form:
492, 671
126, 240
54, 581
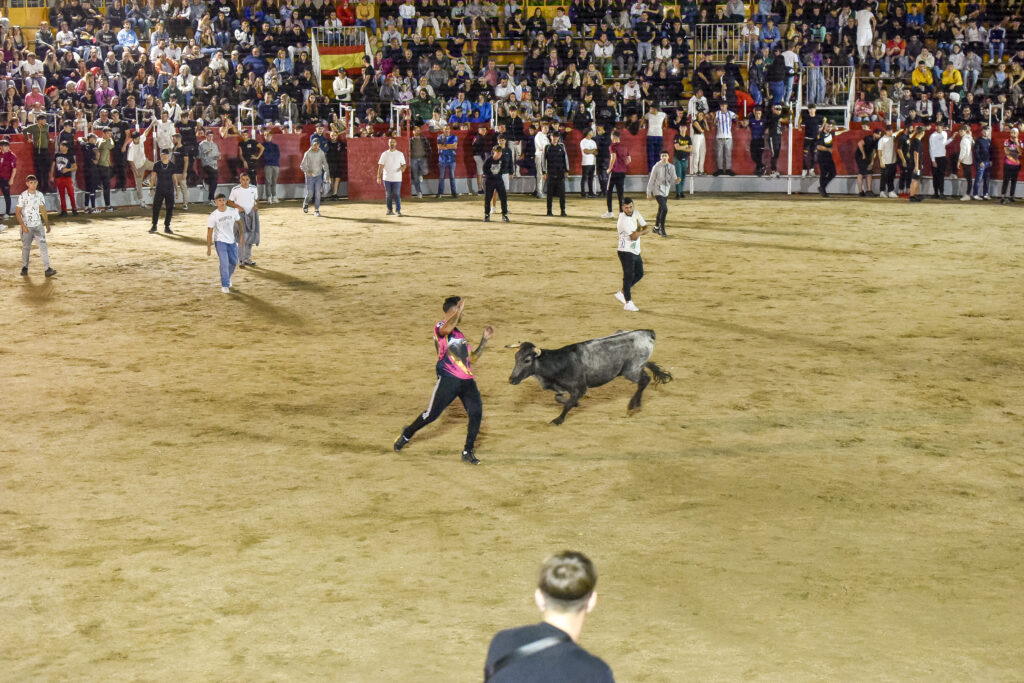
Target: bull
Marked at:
571, 370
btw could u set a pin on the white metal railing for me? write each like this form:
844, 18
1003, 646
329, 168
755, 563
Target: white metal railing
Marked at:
252, 119
347, 113
344, 35
398, 113
829, 88
720, 41
1002, 113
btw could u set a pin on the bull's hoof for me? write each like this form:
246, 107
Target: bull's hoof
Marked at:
558, 421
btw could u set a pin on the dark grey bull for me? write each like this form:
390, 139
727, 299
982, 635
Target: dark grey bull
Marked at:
573, 369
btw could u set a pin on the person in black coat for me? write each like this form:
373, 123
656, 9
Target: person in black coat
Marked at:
556, 168
494, 181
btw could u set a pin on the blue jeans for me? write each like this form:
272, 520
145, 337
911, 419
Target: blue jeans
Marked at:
369, 23
755, 92
655, 143
393, 191
314, 187
419, 169
227, 253
992, 50
447, 169
778, 90
981, 180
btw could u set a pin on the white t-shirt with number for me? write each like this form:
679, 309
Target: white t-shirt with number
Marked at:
30, 203
392, 161
245, 197
588, 150
627, 226
223, 224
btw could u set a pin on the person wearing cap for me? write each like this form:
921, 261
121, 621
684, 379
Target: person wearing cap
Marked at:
62, 169
8, 172
164, 191
32, 217
39, 135
141, 166
90, 157
314, 166
209, 155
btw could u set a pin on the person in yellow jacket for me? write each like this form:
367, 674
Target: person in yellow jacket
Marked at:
921, 76
951, 78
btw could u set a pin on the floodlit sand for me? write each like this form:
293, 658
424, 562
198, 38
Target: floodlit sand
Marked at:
196, 486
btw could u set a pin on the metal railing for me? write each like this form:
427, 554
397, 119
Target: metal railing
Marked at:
720, 41
829, 88
252, 119
344, 35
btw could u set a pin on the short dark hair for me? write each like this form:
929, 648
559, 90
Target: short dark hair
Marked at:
567, 580
627, 200
244, 174
220, 195
450, 303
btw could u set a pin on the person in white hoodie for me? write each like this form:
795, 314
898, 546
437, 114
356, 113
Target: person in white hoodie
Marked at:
965, 161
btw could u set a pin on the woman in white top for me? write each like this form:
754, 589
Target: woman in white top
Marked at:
165, 131
588, 161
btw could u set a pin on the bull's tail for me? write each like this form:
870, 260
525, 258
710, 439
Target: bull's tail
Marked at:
660, 376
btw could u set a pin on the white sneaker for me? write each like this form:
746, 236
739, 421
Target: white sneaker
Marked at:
607, 214
894, 195
226, 290
803, 173
184, 206
2, 227
965, 198
620, 297
976, 197
630, 306
317, 214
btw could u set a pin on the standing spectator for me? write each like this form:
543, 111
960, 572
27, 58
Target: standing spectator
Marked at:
864, 158
965, 160
164, 192
481, 147
390, 168
447, 143
588, 163
812, 127
887, 162
983, 159
494, 183
540, 143
548, 652
663, 179
221, 230
8, 173
32, 217
915, 162
774, 122
604, 154
655, 122
618, 164
724, 120
314, 167
244, 198
62, 170
250, 151
1011, 166
335, 154
90, 158
178, 159
682, 145
39, 135
825, 161
937, 150
419, 153
631, 228
698, 126
209, 156
556, 169
757, 126
271, 167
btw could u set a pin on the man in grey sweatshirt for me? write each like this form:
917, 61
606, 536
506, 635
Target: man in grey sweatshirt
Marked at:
663, 179
314, 165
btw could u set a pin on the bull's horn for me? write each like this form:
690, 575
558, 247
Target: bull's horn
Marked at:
513, 346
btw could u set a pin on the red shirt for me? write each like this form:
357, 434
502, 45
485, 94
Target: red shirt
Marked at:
621, 153
7, 162
346, 15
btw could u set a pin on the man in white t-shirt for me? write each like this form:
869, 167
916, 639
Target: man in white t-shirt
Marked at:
540, 144
390, 168
631, 227
140, 164
588, 161
937, 150
654, 119
32, 216
245, 199
221, 232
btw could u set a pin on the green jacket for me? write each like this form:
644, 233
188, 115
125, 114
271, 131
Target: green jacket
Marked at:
39, 134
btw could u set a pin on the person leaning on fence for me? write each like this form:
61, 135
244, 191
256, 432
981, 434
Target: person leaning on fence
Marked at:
549, 652
314, 166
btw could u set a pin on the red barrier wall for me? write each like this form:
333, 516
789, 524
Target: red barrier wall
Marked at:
363, 155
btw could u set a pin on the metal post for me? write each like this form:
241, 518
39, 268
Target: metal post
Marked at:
794, 117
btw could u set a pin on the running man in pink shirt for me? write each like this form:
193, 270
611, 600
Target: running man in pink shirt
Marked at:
454, 378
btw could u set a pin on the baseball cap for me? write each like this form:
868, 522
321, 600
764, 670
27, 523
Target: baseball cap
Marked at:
165, 151
4, 141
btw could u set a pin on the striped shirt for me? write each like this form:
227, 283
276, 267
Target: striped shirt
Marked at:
724, 120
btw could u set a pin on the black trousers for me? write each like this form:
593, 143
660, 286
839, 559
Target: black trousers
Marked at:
809, 154
1010, 180
92, 181
889, 178
632, 272
905, 177
161, 197
556, 187
5, 187
775, 147
827, 166
662, 211
118, 164
211, 181
492, 186
446, 390
616, 182
602, 175
103, 174
938, 176
41, 158
968, 171
587, 181
757, 154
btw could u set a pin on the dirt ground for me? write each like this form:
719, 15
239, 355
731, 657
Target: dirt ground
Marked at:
199, 486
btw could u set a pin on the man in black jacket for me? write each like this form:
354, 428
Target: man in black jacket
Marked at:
494, 182
556, 167
164, 171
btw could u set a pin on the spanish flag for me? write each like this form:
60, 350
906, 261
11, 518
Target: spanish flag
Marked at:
343, 57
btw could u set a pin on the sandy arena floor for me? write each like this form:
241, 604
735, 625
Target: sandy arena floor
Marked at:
196, 486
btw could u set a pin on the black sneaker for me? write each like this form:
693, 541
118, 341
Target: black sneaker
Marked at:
153, 229
400, 442
565, 215
504, 217
487, 219
467, 456
24, 271
168, 231
390, 213
50, 272
74, 212
63, 213
550, 214
305, 209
